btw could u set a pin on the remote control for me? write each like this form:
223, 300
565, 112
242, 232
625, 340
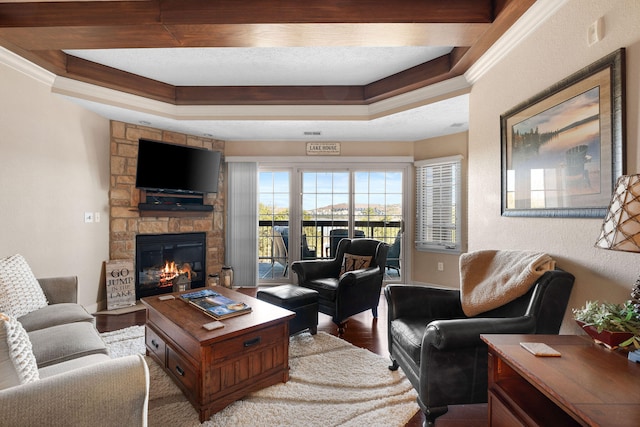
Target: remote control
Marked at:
166, 297
213, 325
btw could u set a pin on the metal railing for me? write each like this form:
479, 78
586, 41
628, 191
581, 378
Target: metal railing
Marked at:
317, 235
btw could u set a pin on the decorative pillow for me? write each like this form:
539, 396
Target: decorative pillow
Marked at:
354, 262
17, 362
20, 292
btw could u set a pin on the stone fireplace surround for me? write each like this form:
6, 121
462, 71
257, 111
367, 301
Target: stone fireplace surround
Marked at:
125, 221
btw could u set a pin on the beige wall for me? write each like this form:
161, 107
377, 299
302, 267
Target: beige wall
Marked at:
425, 264
557, 49
55, 167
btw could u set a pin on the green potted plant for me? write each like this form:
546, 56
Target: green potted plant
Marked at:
614, 325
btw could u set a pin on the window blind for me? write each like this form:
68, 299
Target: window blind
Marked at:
438, 195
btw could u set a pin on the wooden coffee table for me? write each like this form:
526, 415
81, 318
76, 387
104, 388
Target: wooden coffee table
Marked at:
216, 368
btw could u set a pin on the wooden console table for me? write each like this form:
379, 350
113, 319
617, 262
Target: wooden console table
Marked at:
586, 386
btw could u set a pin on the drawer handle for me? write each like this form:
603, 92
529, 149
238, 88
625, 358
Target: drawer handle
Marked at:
254, 341
155, 344
180, 371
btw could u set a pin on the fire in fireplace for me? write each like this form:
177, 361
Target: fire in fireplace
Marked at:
163, 260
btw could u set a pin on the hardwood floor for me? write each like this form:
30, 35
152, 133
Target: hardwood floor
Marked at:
363, 331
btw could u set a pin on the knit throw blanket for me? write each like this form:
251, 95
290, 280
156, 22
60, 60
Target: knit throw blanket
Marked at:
492, 278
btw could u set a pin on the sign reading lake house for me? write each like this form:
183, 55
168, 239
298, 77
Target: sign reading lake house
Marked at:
323, 148
121, 286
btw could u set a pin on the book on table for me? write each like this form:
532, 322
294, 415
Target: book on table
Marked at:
215, 305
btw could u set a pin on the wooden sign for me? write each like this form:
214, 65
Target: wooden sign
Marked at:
121, 284
323, 148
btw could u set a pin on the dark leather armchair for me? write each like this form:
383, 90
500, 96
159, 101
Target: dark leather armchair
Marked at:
439, 348
342, 296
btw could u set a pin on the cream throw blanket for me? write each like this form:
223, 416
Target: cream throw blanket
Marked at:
492, 278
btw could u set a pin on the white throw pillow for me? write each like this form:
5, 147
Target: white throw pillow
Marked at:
20, 292
17, 362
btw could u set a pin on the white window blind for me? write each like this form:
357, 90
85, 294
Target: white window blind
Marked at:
438, 207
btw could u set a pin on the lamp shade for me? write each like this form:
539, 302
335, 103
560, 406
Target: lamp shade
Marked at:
621, 226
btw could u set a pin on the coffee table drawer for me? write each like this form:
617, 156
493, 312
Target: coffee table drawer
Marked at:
247, 342
181, 370
155, 345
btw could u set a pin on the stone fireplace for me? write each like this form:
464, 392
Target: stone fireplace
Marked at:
126, 222
164, 260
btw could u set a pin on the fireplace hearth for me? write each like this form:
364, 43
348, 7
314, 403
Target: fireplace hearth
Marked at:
164, 260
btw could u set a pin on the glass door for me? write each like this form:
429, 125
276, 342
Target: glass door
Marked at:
378, 210
273, 217
353, 203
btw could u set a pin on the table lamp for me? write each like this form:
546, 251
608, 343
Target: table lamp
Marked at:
621, 229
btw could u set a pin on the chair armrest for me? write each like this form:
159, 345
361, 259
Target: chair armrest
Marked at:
354, 276
111, 393
427, 302
315, 269
60, 289
460, 333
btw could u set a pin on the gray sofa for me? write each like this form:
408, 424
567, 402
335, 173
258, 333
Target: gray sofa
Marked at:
79, 385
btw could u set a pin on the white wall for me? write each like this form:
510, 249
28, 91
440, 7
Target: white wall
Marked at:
557, 49
55, 166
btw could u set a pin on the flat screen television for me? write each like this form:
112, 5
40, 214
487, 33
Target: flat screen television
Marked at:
176, 168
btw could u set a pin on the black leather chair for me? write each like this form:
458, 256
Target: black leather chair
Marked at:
439, 348
393, 257
342, 296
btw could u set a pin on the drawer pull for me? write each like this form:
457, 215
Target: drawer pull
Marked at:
251, 342
155, 344
180, 371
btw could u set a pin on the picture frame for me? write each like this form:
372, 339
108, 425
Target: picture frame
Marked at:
563, 149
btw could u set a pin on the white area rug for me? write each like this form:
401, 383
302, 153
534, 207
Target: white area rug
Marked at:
332, 383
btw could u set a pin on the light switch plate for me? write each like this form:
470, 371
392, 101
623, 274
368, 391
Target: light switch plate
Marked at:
88, 217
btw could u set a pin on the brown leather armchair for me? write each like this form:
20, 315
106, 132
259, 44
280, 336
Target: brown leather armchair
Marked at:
439, 348
343, 295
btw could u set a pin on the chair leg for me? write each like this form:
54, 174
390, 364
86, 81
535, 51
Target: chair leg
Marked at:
374, 311
341, 327
394, 365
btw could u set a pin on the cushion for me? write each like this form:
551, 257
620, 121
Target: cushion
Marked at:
55, 314
17, 362
354, 262
60, 343
20, 292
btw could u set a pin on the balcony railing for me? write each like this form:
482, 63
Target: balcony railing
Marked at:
318, 242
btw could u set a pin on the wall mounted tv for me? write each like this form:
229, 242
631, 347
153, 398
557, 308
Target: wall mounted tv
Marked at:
174, 168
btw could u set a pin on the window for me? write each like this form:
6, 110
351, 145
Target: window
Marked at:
438, 204
313, 207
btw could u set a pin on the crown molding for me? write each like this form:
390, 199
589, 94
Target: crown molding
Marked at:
98, 94
537, 14
25, 67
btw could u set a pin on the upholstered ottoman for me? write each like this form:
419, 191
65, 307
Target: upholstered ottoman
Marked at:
302, 301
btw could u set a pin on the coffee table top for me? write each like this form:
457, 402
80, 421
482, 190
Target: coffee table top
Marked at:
190, 319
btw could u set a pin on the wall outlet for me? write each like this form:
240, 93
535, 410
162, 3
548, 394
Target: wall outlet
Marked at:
88, 217
96, 217
441, 266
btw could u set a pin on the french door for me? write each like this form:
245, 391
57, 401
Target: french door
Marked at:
325, 206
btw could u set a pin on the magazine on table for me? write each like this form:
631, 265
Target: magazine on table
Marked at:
215, 305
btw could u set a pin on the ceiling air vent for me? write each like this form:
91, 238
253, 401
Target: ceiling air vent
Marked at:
313, 133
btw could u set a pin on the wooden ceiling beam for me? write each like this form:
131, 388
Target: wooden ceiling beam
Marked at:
40, 31
173, 12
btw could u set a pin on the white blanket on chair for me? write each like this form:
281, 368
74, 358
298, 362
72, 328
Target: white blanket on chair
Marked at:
492, 278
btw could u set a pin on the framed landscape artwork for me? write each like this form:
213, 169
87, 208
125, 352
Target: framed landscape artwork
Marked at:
563, 149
